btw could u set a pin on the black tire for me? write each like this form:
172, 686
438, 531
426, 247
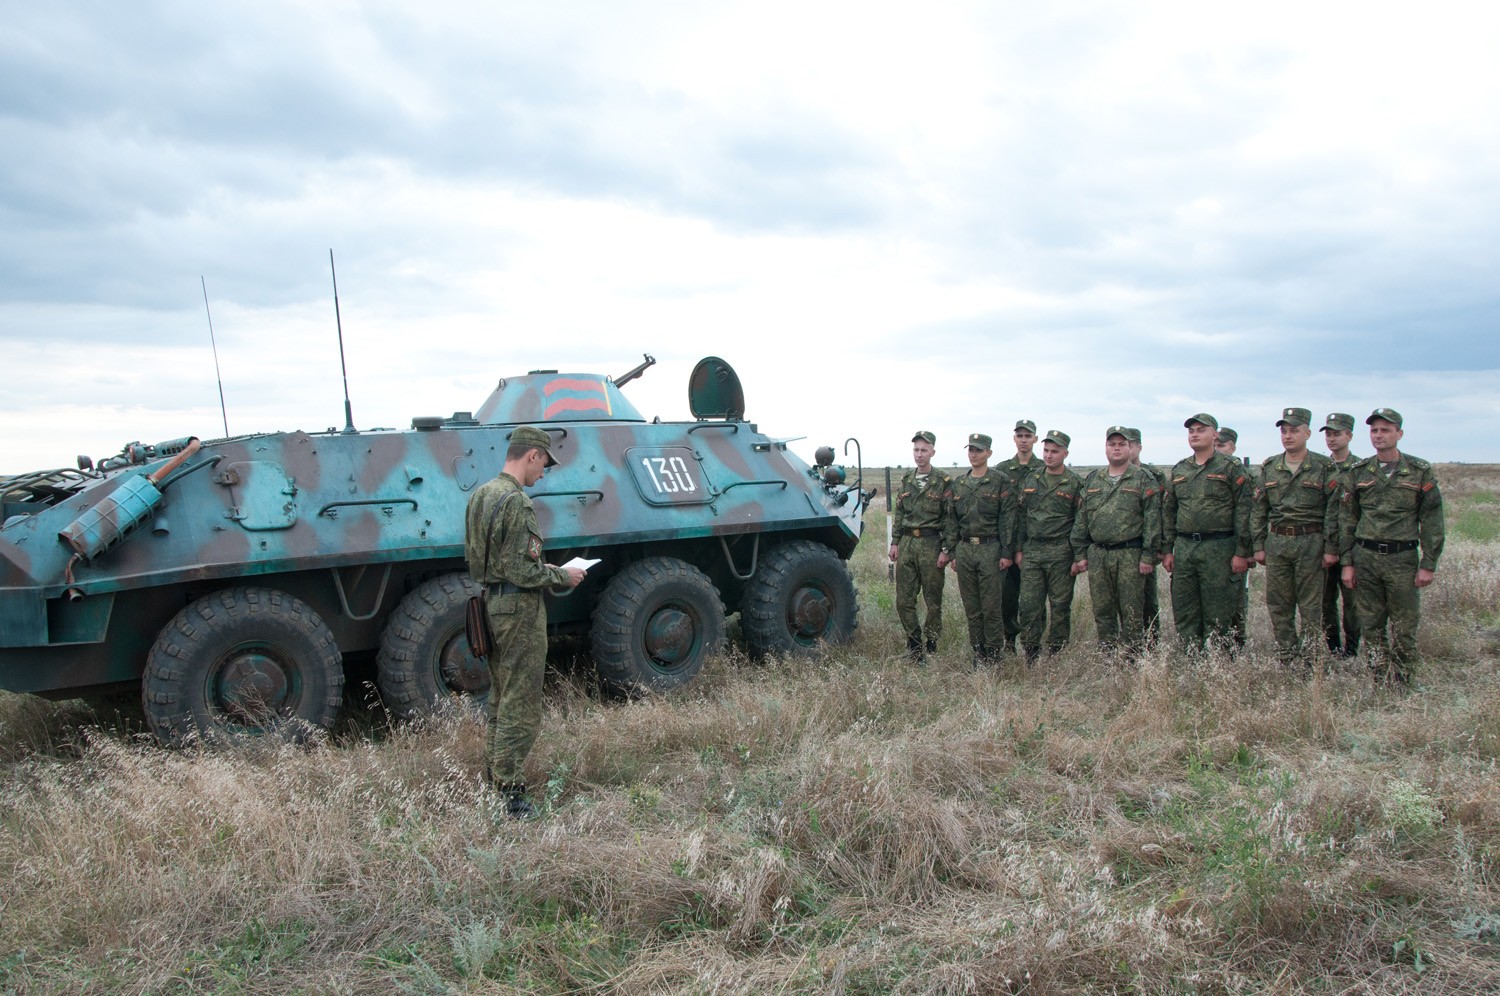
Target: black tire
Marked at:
243, 661
801, 597
424, 662
655, 624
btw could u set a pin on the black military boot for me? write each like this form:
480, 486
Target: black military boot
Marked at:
931, 646
1033, 654
981, 657
914, 649
517, 806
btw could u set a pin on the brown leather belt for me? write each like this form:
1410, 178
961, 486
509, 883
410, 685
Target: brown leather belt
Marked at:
1306, 530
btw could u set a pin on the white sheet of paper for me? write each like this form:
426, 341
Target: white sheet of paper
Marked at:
581, 564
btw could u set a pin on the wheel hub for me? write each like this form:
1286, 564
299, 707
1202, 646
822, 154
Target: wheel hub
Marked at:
252, 685
808, 613
462, 671
670, 636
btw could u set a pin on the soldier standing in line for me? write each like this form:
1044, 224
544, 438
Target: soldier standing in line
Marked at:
503, 548
985, 508
1048, 504
1019, 468
924, 531
1151, 612
1227, 442
1392, 536
1116, 534
1206, 526
1295, 525
1338, 431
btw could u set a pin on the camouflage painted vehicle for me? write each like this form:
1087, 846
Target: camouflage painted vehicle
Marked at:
229, 578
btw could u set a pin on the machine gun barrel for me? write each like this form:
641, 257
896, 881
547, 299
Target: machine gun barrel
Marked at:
635, 371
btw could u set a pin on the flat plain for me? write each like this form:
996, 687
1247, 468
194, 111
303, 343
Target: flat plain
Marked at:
847, 824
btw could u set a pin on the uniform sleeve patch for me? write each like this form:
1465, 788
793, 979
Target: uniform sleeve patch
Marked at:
1427, 486
534, 547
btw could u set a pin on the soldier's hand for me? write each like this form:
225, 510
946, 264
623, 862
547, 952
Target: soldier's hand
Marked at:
1005, 563
1260, 556
893, 553
1146, 569
1347, 576
576, 576
943, 560
1424, 577
1329, 559
1079, 567
1166, 561
1238, 565
1018, 558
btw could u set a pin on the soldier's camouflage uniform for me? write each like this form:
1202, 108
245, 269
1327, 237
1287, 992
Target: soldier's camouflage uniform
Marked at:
513, 578
1010, 595
1334, 591
923, 525
1205, 522
985, 511
1151, 611
1048, 504
1117, 529
1240, 624
1391, 524
1295, 521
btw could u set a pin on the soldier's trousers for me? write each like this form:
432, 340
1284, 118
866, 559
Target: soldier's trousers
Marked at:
1117, 589
1385, 592
980, 585
1294, 587
1010, 602
1205, 592
1151, 613
1239, 623
1333, 592
518, 663
918, 573
1046, 585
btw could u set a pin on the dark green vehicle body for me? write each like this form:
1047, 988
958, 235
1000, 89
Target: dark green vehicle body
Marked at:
353, 541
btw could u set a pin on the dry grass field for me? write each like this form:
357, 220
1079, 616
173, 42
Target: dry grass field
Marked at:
853, 824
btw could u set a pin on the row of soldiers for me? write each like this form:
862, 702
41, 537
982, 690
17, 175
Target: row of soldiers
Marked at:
1369, 530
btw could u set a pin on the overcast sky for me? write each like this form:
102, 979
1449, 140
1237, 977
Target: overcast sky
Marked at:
886, 217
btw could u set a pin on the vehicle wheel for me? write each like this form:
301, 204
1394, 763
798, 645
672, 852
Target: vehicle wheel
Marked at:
655, 624
801, 596
424, 660
243, 661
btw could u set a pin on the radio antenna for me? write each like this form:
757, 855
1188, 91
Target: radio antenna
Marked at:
348, 411
222, 409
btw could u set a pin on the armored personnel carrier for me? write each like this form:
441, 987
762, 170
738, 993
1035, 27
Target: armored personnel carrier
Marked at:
229, 578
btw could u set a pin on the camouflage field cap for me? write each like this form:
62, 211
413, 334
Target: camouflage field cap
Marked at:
1026, 424
1132, 434
923, 436
1228, 435
526, 435
979, 441
1205, 418
1294, 416
1389, 414
1117, 430
1339, 421
1060, 438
